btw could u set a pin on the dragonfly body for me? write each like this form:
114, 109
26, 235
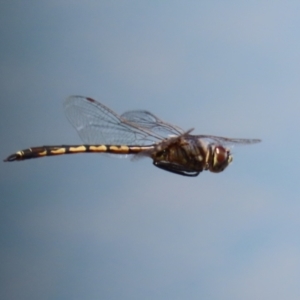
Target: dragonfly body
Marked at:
139, 133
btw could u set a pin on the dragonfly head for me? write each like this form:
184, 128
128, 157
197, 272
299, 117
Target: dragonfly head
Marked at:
221, 158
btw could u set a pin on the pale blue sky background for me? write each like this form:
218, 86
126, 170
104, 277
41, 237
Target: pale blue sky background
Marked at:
94, 227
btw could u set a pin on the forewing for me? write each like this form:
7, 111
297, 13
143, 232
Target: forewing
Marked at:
228, 141
97, 124
145, 119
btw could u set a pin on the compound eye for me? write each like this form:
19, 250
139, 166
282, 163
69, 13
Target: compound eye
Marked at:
221, 159
221, 155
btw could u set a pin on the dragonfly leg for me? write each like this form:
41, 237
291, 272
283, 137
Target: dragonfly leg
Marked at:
175, 168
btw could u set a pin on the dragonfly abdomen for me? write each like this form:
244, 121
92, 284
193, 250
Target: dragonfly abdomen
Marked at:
42, 151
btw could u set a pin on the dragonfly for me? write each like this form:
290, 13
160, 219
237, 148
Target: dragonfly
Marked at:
141, 134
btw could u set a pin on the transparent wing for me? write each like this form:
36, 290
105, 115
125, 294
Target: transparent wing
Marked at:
97, 124
228, 141
145, 119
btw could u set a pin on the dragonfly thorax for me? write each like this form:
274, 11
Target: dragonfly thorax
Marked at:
221, 158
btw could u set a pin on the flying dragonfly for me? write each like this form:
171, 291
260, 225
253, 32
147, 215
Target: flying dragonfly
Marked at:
142, 134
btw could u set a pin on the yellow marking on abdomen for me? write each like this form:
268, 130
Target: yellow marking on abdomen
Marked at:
77, 149
101, 148
119, 149
44, 153
135, 149
57, 151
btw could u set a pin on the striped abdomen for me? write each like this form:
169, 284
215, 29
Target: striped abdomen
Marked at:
42, 151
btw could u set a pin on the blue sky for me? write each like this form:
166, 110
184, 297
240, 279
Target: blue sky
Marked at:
94, 227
